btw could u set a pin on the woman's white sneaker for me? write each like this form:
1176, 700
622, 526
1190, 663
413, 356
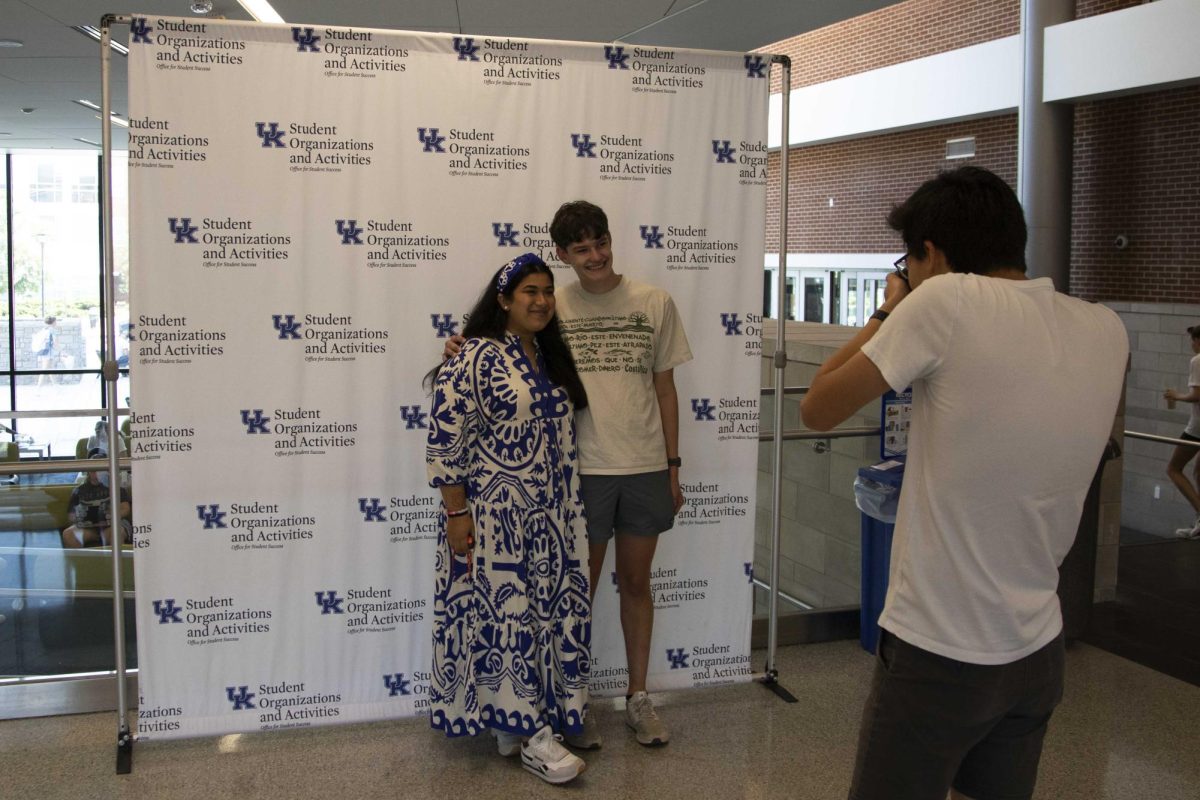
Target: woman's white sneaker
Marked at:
545, 757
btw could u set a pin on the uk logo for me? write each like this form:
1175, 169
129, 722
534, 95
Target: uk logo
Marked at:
413, 417
349, 231
616, 57
756, 67
184, 230
269, 133
651, 237
167, 611
286, 325
431, 141
466, 48
732, 323
678, 658
583, 144
241, 698
329, 602
445, 325
139, 31
258, 422
212, 516
397, 684
372, 510
306, 40
703, 408
723, 151
505, 236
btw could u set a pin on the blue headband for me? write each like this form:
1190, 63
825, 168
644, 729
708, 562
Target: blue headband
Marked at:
513, 267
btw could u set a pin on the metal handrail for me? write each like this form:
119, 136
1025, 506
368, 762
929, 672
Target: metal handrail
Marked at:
104, 594
837, 433
770, 390
65, 465
784, 596
78, 412
1150, 437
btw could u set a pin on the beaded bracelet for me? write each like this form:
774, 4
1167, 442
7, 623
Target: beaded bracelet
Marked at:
462, 512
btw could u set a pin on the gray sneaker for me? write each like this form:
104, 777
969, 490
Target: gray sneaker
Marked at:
640, 715
589, 737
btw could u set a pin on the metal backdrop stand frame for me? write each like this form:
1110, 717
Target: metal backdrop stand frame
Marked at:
110, 374
771, 677
125, 738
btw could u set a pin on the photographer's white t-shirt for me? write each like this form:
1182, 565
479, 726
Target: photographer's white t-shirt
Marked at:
1015, 388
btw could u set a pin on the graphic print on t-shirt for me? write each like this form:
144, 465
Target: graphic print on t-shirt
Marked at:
611, 343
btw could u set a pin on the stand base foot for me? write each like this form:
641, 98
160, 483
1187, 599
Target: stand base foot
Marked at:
771, 681
124, 754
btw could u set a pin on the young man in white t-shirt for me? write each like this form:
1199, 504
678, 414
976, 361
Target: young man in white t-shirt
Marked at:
1015, 388
626, 338
1183, 454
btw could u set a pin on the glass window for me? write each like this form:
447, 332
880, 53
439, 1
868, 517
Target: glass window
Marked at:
5, 360
46, 186
56, 266
84, 189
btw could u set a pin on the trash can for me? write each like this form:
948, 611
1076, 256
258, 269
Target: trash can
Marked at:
877, 494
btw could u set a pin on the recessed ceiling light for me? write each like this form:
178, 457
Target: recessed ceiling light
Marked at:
11, 43
92, 32
261, 10
87, 104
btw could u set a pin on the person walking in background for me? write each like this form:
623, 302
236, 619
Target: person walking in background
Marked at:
512, 614
44, 347
1182, 453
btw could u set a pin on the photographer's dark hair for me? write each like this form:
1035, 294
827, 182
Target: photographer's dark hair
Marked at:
971, 215
489, 320
576, 221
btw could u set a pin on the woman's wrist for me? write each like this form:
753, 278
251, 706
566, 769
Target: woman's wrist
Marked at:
460, 512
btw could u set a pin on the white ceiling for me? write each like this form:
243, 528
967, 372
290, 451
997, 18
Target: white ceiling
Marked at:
57, 65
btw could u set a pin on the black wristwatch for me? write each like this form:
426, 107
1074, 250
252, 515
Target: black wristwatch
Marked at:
675, 462
880, 315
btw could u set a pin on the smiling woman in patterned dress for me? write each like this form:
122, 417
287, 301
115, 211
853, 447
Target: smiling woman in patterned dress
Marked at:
512, 619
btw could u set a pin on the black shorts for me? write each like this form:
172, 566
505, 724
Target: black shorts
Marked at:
1187, 437
932, 723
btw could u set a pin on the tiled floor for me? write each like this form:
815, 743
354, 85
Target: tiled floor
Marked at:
1123, 731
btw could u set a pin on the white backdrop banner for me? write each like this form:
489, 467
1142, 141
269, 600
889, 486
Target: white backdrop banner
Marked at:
313, 210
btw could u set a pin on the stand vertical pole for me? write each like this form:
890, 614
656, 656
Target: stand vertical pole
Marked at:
110, 376
771, 679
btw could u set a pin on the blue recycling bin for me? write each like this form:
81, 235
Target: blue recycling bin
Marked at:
877, 494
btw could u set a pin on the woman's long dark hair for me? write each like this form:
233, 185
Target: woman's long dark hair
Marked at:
489, 320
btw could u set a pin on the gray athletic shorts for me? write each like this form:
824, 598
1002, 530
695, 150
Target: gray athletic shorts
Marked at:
932, 722
638, 504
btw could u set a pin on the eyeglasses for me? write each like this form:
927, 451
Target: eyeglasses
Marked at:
901, 267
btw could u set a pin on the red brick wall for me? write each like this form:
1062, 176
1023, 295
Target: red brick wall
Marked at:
1137, 173
866, 177
1090, 8
893, 35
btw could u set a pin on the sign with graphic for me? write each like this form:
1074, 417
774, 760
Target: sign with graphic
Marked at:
895, 418
314, 211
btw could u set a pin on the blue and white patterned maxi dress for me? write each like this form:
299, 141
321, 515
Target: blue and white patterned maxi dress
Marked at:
512, 629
